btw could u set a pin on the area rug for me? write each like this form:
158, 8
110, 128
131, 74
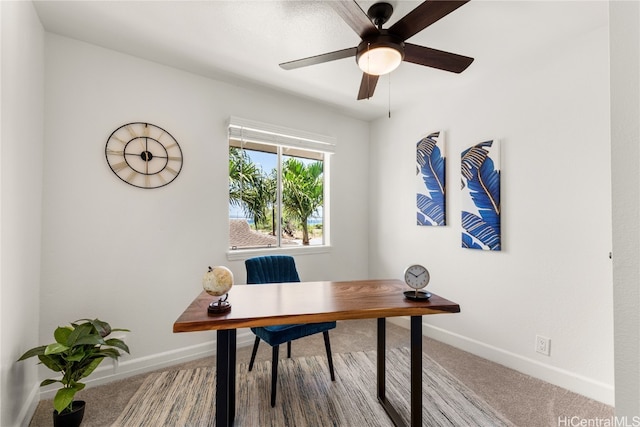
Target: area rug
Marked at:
307, 396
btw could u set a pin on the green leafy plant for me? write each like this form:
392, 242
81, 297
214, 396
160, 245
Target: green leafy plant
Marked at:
79, 348
302, 193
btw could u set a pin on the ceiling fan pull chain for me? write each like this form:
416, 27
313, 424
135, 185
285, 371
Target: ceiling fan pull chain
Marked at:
368, 69
389, 79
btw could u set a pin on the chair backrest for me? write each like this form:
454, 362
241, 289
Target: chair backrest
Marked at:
271, 269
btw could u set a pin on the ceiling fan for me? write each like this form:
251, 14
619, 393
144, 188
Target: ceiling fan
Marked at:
382, 50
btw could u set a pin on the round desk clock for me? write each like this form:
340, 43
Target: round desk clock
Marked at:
417, 277
143, 155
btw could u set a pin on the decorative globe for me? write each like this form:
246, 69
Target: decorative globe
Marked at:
217, 281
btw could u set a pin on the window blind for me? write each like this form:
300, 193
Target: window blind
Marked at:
253, 131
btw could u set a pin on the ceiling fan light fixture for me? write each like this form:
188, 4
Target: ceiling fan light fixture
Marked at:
379, 61
380, 55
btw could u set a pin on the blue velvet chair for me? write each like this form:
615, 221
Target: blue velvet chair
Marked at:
278, 269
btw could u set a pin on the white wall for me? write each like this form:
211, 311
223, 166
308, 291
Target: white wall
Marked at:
21, 139
625, 140
553, 276
136, 257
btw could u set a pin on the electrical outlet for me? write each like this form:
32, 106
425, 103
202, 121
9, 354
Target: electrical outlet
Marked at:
543, 345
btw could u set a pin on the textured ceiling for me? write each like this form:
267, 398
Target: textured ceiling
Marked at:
244, 41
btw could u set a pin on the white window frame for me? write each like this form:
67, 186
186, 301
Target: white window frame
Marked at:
264, 133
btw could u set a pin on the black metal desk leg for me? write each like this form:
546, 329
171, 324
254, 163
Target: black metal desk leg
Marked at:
386, 405
225, 377
232, 374
382, 346
416, 371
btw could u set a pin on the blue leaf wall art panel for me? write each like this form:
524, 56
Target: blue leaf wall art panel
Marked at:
430, 180
480, 167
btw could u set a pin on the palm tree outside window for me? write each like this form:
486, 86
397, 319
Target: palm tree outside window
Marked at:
277, 192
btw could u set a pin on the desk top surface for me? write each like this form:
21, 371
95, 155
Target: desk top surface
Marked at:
308, 302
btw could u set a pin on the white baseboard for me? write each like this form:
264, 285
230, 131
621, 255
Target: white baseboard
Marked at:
580, 384
29, 407
109, 371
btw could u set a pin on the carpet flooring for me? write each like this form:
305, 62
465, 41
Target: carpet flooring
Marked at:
523, 400
307, 397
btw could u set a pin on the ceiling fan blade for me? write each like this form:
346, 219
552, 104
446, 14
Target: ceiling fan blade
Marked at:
355, 17
319, 59
422, 16
436, 58
367, 86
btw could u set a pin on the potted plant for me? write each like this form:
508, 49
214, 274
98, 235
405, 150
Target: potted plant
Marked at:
77, 351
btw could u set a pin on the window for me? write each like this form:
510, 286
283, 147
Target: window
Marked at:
278, 181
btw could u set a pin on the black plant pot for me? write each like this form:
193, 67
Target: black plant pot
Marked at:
72, 418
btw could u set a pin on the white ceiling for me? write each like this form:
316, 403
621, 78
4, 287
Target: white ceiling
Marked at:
244, 41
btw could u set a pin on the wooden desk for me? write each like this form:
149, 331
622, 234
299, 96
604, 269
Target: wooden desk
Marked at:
309, 302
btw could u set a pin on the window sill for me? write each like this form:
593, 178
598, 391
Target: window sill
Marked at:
242, 254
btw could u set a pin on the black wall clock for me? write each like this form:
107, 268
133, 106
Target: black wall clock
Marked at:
143, 155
